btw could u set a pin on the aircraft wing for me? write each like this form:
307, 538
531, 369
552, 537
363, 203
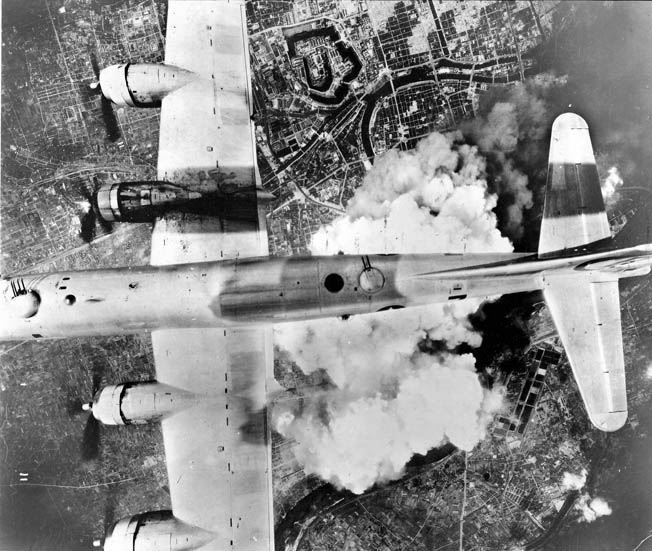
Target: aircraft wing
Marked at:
573, 214
206, 132
218, 450
586, 312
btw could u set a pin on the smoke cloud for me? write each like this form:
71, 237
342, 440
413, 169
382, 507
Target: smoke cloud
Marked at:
392, 400
512, 130
505, 133
593, 508
432, 199
572, 481
370, 439
610, 187
497, 135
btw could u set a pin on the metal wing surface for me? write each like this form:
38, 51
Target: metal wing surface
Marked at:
573, 213
206, 137
586, 311
218, 450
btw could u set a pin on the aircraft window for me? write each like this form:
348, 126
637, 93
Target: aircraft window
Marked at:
70, 300
334, 283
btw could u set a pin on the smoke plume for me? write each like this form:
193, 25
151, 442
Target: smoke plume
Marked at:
590, 507
510, 130
392, 400
610, 187
593, 508
431, 199
572, 481
370, 438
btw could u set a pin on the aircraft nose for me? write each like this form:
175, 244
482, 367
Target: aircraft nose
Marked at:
21, 302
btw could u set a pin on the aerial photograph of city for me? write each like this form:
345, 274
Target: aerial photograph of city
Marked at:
378, 128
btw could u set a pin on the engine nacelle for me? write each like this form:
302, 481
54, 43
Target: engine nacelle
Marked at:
141, 84
140, 201
138, 403
145, 201
155, 531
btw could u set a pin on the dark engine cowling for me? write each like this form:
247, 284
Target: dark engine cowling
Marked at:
140, 201
145, 201
141, 84
155, 531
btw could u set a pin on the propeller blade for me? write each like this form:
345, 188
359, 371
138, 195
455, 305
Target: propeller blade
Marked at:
94, 87
110, 121
97, 371
89, 218
108, 115
90, 446
95, 65
87, 91
87, 230
74, 406
106, 225
110, 507
83, 191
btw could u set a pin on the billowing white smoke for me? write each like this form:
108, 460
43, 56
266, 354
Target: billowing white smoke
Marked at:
590, 507
610, 187
364, 354
572, 481
393, 209
593, 508
367, 439
83, 206
391, 400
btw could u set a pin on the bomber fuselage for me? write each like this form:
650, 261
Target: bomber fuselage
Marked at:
270, 290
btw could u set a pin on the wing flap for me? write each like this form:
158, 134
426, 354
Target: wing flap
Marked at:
586, 312
573, 213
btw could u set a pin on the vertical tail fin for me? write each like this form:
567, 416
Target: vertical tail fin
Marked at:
573, 215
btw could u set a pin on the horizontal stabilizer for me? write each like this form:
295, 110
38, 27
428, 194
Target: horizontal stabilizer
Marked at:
573, 213
586, 312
